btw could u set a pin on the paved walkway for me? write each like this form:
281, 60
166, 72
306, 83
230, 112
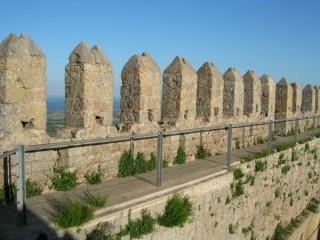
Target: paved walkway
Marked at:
124, 192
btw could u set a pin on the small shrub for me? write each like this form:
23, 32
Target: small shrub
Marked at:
304, 140
313, 207
260, 166
233, 229
202, 153
285, 169
93, 178
165, 163
139, 227
295, 156
281, 159
280, 232
317, 135
72, 214
239, 190
181, 156
152, 163
64, 180
249, 179
238, 143
291, 133
2, 194
285, 146
277, 192
274, 136
126, 164
103, 231
307, 147
140, 164
263, 153
237, 173
177, 211
33, 189
95, 201
261, 140
228, 200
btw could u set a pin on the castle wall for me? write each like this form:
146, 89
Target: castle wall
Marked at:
189, 100
209, 93
308, 99
283, 108
140, 90
268, 91
89, 88
179, 91
22, 86
233, 93
252, 94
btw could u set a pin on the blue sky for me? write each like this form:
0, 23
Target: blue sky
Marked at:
280, 38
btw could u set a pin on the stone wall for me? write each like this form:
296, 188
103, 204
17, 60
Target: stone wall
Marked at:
296, 98
274, 196
233, 93
209, 93
252, 94
189, 100
308, 99
179, 92
283, 108
22, 86
89, 88
268, 91
140, 90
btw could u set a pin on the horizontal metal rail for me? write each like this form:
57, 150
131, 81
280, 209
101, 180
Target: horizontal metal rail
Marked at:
88, 142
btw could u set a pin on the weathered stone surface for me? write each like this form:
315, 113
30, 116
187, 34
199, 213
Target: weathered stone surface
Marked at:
22, 86
252, 94
283, 108
317, 99
267, 96
179, 91
233, 92
21, 46
308, 99
209, 92
296, 98
89, 88
140, 90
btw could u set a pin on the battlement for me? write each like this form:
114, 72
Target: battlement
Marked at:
187, 98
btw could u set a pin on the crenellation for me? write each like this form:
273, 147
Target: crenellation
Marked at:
140, 90
209, 93
317, 99
268, 91
296, 98
233, 93
189, 100
252, 94
179, 92
283, 108
88, 72
22, 86
308, 99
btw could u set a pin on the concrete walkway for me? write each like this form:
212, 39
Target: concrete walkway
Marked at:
124, 192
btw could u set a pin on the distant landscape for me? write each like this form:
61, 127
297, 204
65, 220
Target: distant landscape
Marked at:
55, 114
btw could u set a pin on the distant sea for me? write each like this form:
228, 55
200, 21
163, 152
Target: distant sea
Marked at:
57, 103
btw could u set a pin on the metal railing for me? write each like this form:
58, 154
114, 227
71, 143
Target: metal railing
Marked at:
20, 150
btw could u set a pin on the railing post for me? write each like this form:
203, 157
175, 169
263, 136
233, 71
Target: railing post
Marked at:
131, 147
314, 125
159, 158
21, 186
229, 147
296, 124
270, 136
